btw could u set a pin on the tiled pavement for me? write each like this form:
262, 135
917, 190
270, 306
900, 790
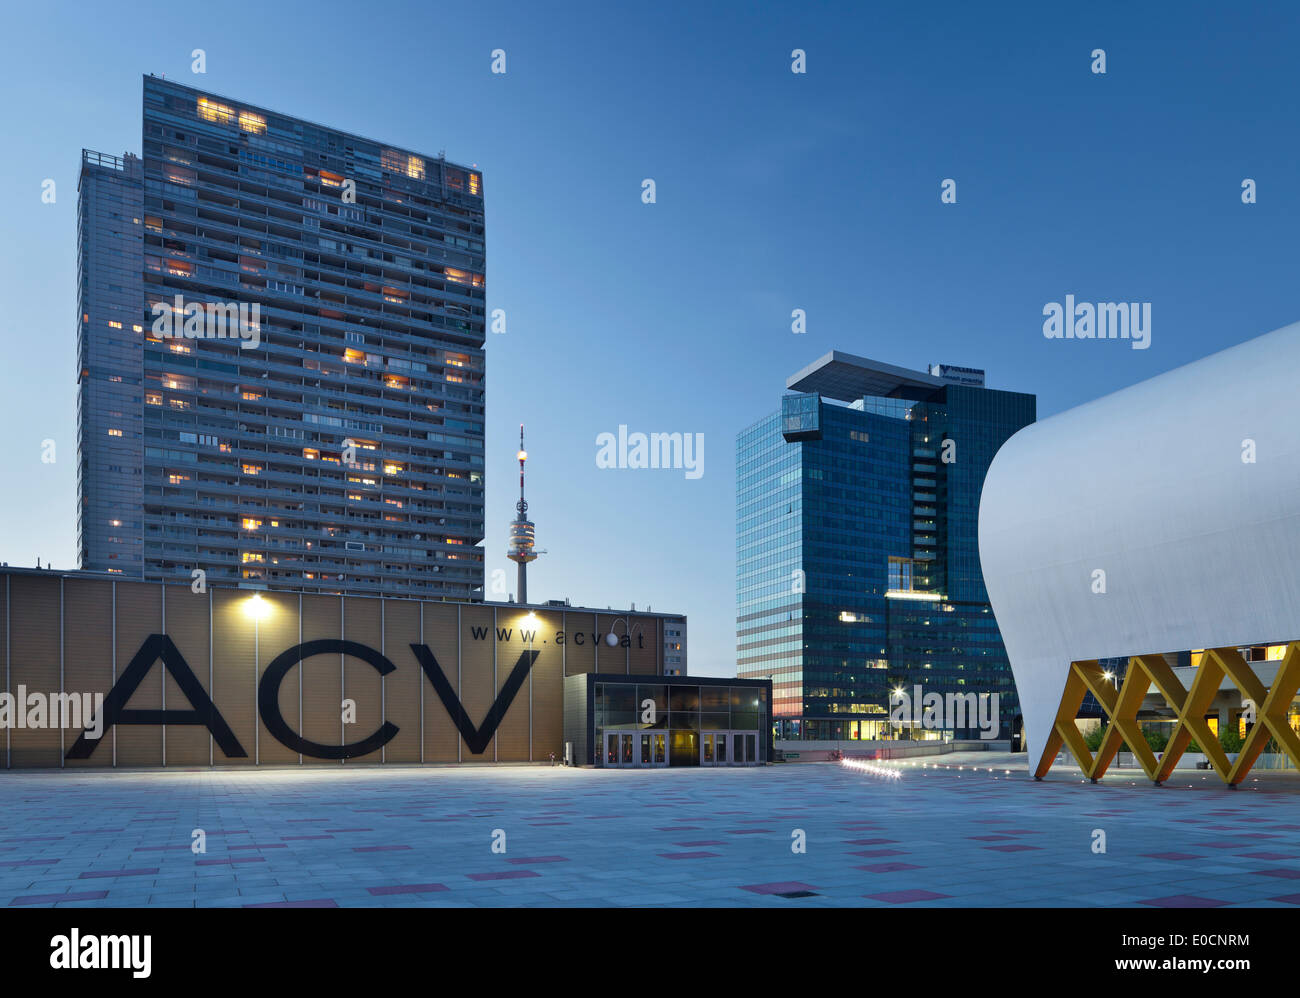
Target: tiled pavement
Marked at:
326, 836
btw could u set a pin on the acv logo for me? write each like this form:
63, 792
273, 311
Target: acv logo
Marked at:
159, 647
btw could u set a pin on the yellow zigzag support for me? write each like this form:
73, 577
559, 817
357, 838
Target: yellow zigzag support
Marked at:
1121, 707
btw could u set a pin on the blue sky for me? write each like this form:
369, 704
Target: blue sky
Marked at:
775, 191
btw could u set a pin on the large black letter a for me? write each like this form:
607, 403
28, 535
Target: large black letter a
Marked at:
155, 647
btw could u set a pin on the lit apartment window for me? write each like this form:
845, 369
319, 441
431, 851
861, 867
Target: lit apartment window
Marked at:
473, 184
114, 433
252, 469
250, 122
310, 454
114, 325
250, 524
137, 329
212, 111
331, 179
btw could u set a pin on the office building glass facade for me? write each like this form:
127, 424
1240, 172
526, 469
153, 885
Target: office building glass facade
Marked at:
857, 561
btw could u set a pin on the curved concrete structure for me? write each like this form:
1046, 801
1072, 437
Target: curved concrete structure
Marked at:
1200, 549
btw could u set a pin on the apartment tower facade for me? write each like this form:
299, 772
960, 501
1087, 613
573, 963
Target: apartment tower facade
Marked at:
280, 356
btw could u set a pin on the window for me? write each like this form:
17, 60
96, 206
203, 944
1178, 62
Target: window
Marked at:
212, 111
250, 122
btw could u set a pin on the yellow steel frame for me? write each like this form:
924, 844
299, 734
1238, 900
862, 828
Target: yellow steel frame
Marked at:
1121, 707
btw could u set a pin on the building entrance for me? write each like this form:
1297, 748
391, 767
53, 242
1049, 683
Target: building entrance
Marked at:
635, 749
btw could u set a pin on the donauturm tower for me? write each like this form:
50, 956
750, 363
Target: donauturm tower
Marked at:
522, 531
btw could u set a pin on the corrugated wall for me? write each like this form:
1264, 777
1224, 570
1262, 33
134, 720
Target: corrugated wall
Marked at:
65, 634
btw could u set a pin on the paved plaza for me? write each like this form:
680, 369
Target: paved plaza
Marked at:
354, 836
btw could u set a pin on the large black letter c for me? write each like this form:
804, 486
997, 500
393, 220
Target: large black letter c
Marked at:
268, 699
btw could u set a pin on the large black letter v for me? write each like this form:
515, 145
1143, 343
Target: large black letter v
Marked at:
155, 647
476, 738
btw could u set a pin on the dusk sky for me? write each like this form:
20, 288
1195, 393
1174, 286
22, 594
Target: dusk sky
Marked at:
775, 191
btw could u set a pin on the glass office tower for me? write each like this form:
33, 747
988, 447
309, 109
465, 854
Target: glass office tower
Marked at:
857, 560
331, 439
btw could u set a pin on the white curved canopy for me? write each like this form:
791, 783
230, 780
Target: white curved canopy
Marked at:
1200, 548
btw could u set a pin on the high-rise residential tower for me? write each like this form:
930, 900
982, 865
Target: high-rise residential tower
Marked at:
857, 561
281, 360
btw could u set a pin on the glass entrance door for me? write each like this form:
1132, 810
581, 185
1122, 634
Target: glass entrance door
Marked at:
715, 748
635, 749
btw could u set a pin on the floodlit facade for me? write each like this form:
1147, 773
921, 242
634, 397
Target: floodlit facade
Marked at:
281, 365
857, 572
103, 672
1158, 527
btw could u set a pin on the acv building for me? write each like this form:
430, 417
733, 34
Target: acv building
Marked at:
101, 671
280, 356
857, 571
1142, 552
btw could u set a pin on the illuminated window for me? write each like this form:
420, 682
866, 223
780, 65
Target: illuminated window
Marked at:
250, 122
251, 396
473, 184
212, 111
392, 468
252, 469
351, 356
310, 453
177, 478
137, 329
114, 433
331, 179
252, 556
114, 325
397, 162
251, 524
